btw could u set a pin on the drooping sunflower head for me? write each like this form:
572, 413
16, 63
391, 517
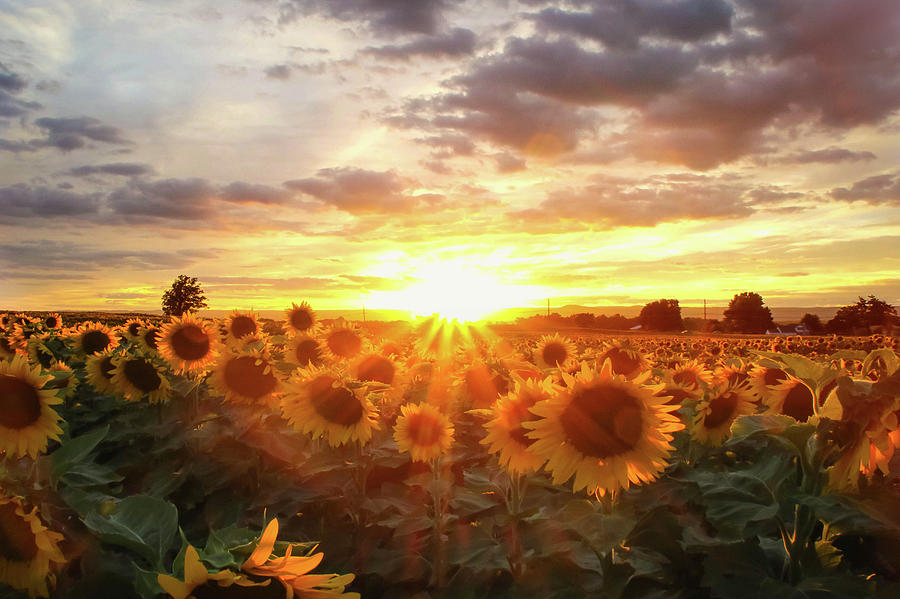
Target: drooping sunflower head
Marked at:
300, 319
246, 378
344, 342
93, 337
27, 422
554, 351
187, 343
624, 359
605, 430
423, 431
507, 436
99, 370
324, 403
140, 375
793, 398
718, 410
28, 550
303, 350
241, 324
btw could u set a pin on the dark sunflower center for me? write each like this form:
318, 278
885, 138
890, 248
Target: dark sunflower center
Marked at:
17, 542
721, 409
242, 325
50, 322
4, 343
335, 404
773, 376
424, 430
151, 336
622, 361
106, 367
554, 353
799, 403
518, 412
249, 379
307, 352
301, 320
677, 394
95, 341
344, 343
134, 328
20, 402
603, 421
378, 369
190, 342
44, 359
142, 375
736, 376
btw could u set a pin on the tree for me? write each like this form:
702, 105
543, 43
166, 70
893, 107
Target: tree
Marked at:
661, 315
813, 323
859, 317
746, 313
186, 295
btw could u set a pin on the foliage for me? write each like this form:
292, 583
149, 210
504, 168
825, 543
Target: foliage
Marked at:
661, 315
184, 296
813, 323
862, 316
746, 313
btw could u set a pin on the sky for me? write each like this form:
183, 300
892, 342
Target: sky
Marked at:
402, 154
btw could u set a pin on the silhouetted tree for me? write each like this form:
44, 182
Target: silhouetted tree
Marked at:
185, 295
859, 317
661, 315
813, 323
746, 313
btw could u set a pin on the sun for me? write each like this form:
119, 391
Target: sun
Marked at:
454, 291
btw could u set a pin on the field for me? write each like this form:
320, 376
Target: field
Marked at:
248, 458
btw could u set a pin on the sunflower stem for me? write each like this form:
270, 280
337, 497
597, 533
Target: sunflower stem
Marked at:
439, 561
516, 494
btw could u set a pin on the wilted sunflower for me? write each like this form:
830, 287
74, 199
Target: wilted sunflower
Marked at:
246, 378
625, 361
554, 351
93, 337
99, 371
715, 414
793, 398
187, 344
300, 318
343, 342
506, 433
139, 376
303, 351
27, 549
322, 404
240, 324
27, 421
423, 431
605, 430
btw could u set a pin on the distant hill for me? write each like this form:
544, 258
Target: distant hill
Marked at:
780, 315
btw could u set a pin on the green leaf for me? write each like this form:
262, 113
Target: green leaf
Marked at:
86, 474
754, 425
146, 583
73, 451
143, 524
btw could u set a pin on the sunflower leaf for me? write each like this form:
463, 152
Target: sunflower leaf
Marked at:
143, 524
72, 452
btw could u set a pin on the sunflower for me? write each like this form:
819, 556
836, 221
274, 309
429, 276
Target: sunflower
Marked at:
506, 433
300, 319
344, 342
52, 321
27, 549
7, 349
793, 398
137, 376
38, 352
93, 337
5, 320
761, 378
148, 339
246, 378
716, 413
322, 404
690, 375
423, 431
240, 324
675, 394
99, 371
132, 329
483, 385
187, 344
626, 361
197, 577
605, 430
303, 351
554, 351
27, 421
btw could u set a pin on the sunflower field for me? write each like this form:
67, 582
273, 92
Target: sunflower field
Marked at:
249, 458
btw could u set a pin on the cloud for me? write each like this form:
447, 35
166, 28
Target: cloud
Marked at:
122, 169
22, 200
455, 43
73, 133
190, 199
240, 192
278, 71
508, 163
358, 191
830, 155
878, 189
11, 82
449, 144
46, 254
382, 17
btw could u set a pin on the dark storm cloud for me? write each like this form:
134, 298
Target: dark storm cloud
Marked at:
73, 133
457, 42
122, 169
828, 156
357, 190
878, 189
24, 201
11, 82
383, 17
48, 254
11, 106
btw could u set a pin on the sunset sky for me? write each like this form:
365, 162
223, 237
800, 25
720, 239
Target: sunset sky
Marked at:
387, 152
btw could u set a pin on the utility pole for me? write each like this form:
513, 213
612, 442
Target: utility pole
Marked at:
704, 310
